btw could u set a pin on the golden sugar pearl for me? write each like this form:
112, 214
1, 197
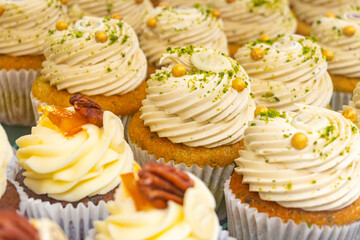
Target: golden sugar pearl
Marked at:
61, 25
101, 36
259, 110
116, 16
330, 15
64, 2
257, 54
164, 5
178, 70
328, 54
216, 13
139, 1
2, 10
151, 22
350, 114
299, 141
349, 31
230, 1
238, 84
264, 37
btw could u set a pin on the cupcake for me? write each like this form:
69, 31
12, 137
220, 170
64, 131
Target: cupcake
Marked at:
72, 162
247, 20
286, 70
307, 11
97, 57
340, 39
298, 177
23, 29
177, 27
194, 115
170, 203
132, 11
15, 227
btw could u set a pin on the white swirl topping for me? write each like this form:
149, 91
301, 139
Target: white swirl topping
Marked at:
245, 20
355, 103
6, 154
346, 49
322, 176
48, 230
201, 108
291, 71
133, 12
190, 3
178, 27
75, 61
72, 168
196, 219
24, 25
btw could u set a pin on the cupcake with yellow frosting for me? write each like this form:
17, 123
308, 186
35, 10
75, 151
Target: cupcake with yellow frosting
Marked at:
247, 20
286, 70
298, 176
340, 39
194, 115
97, 57
177, 27
72, 162
24, 26
132, 11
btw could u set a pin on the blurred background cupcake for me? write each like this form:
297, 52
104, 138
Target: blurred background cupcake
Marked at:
132, 11
24, 26
97, 57
247, 20
194, 115
298, 177
286, 70
340, 39
177, 27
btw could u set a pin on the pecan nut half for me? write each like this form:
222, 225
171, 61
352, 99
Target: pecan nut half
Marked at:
160, 183
88, 109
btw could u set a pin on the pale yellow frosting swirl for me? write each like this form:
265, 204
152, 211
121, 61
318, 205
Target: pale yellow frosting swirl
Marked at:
48, 230
246, 20
75, 61
329, 32
132, 11
355, 103
6, 154
323, 176
190, 3
71, 168
24, 25
177, 27
195, 220
200, 108
291, 71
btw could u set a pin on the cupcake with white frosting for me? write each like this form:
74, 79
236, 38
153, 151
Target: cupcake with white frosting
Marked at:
97, 57
298, 176
176, 27
194, 115
132, 11
286, 70
24, 25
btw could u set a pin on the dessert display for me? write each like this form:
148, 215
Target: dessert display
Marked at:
72, 162
24, 25
286, 70
97, 57
298, 175
177, 27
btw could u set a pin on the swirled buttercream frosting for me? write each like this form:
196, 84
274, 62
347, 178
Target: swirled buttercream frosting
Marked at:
355, 103
177, 27
346, 49
290, 70
6, 154
190, 3
247, 20
324, 175
200, 108
79, 63
69, 168
24, 25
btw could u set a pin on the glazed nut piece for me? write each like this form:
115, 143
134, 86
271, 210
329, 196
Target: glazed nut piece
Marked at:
88, 109
161, 183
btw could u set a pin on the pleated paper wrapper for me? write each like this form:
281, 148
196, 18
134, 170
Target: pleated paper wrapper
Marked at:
339, 99
247, 223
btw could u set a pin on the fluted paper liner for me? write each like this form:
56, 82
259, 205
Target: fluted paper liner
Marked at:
15, 103
339, 99
247, 223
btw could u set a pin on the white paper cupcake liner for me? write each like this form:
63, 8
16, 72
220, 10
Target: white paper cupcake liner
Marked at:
247, 223
15, 104
214, 178
339, 99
